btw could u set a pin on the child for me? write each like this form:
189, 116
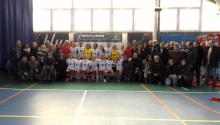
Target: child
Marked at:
119, 68
94, 68
77, 67
102, 68
70, 67
109, 65
85, 67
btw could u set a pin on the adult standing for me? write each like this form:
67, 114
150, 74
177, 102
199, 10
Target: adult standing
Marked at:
200, 54
211, 60
15, 57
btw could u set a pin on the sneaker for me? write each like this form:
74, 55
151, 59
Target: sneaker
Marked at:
44, 78
119, 80
67, 79
104, 80
49, 78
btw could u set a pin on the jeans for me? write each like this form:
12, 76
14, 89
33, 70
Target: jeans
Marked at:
46, 69
214, 75
173, 79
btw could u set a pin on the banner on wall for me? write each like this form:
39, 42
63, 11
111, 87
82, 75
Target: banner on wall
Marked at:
98, 37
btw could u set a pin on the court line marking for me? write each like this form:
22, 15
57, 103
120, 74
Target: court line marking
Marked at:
194, 101
79, 109
7, 85
164, 105
12, 96
116, 118
103, 90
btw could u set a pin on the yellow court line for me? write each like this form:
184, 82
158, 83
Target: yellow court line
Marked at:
194, 101
12, 96
7, 85
164, 105
116, 118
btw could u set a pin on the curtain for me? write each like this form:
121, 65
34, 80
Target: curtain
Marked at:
16, 23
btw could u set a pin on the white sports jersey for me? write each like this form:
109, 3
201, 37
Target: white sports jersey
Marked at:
80, 51
121, 53
109, 64
100, 53
77, 64
73, 50
85, 64
102, 64
118, 65
95, 52
107, 51
71, 64
93, 65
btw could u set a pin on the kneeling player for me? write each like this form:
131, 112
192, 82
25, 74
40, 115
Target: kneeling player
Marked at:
102, 68
70, 67
85, 67
109, 65
94, 68
119, 68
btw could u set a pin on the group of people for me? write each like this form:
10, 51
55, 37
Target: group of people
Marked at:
150, 62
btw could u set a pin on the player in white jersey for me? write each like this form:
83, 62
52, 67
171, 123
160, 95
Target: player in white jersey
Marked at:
108, 50
70, 67
95, 50
73, 50
121, 52
101, 51
85, 67
77, 67
102, 68
119, 67
109, 65
80, 50
94, 68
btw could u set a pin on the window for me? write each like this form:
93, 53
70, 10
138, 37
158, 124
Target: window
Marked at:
101, 20
133, 3
50, 4
180, 3
122, 20
210, 20
92, 3
62, 20
82, 20
41, 20
168, 19
189, 19
143, 20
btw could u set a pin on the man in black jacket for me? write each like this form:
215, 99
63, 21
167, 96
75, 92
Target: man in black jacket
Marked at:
200, 54
163, 53
23, 69
137, 67
190, 55
15, 57
211, 60
49, 63
157, 71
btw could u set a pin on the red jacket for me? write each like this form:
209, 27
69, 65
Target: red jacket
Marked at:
66, 49
128, 52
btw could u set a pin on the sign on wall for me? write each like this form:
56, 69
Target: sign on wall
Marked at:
98, 37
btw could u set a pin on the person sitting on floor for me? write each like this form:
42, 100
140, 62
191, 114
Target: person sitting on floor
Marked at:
35, 68
23, 69
49, 63
185, 75
146, 65
156, 71
171, 73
